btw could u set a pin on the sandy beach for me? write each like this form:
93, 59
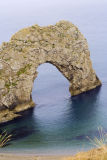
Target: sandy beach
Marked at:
29, 157
94, 154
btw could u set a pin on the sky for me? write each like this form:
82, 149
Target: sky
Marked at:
17, 14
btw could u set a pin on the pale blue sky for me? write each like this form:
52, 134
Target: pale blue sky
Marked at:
16, 14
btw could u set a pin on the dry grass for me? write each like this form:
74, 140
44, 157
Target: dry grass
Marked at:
100, 153
4, 138
101, 141
94, 154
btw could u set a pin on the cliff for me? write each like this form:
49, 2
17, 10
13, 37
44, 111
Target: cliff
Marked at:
62, 45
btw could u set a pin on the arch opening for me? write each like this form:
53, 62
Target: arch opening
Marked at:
49, 85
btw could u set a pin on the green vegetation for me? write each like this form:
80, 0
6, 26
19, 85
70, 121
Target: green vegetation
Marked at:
24, 69
53, 45
24, 56
7, 59
14, 84
4, 94
33, 27
7, 85
4, 138
0, 72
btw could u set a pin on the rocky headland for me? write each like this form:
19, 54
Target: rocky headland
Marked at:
61, 44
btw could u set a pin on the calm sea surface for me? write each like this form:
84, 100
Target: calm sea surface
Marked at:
59, 124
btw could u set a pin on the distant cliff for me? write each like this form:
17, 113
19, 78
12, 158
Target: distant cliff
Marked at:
61, 45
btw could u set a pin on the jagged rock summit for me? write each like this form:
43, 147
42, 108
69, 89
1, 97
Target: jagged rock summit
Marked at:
62, 45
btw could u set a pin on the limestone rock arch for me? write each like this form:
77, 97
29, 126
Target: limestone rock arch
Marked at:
61, 45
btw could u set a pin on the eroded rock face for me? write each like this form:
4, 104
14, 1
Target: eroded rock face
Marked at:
61, 45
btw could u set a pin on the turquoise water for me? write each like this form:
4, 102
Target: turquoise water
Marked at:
59, 124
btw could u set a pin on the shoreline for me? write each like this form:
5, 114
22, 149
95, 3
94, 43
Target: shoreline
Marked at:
8, 156
93, 154
45, 153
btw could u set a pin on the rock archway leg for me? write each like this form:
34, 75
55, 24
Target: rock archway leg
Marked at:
62, 45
